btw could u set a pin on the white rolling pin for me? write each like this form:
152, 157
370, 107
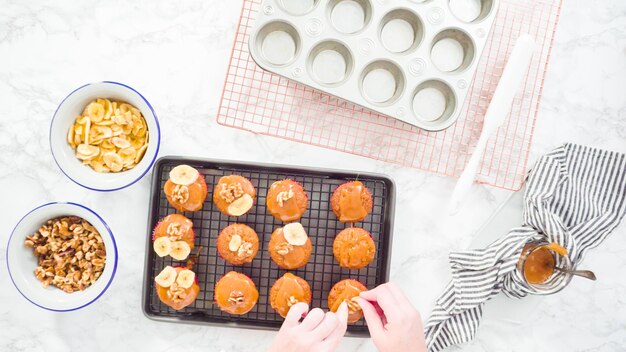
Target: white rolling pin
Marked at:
499, 108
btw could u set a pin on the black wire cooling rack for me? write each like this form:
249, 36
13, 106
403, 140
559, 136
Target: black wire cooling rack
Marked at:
322, 271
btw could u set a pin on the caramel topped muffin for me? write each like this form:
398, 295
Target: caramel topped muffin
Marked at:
186, 188
177, 287
290, 247
238, 244
173, 236
287, 200
234, 195
287, 291
235, 293
346, 290
351, 202
354, 248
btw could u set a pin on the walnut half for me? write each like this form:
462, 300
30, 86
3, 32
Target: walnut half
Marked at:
291, 301
284, 248
231, 192
180, 194
284, 196
174, 231
245, 249
176, 292
236, 297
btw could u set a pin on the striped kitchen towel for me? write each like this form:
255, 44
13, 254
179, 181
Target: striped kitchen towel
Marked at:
575, 196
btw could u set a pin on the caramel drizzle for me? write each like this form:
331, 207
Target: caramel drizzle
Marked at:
356, 249
348, 293
350, 203
290, 287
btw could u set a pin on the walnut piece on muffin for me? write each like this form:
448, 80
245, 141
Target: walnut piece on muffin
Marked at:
234, 195
238, 244
287, 200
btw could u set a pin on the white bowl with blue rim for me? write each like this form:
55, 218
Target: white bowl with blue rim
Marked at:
73, 106
21, 262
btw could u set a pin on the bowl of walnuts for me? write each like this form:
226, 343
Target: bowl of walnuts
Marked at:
105, 136
61, 256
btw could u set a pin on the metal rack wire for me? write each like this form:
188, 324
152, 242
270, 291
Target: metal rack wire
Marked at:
264, 103
322, 225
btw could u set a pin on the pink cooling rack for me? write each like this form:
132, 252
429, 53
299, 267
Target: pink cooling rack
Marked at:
265, 103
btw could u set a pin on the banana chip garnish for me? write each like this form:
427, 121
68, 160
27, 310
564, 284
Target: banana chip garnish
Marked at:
109, 136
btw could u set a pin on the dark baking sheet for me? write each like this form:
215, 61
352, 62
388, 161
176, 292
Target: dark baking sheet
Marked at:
322, 271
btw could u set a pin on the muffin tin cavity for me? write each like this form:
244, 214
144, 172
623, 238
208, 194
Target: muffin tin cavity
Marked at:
434, 102
297, 7
401, 31
330, 63
382, 82
349, 16
470, 11
452, 50
375, 53
278, 42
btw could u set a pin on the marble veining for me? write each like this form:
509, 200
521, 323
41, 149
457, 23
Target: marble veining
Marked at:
176, 53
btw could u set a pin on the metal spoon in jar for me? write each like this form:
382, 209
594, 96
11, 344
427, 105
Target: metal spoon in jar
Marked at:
587, 274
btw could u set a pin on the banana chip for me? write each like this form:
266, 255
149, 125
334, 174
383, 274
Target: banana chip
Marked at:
95, 111
140, 153
127, 129
100, 133
113, 161
124, 108
99, 166
109, 136
121, 119
121, 143
87, 152
108, 107
128, 156
70, 137
104, 123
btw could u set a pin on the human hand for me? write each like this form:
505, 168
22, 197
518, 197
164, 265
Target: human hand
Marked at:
394, 324
318, 331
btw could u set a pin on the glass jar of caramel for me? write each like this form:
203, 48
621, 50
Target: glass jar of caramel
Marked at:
537, 265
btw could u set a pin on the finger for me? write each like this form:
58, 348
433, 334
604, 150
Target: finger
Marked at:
378, 309
374, 322
375, 293
380, 312
295, 313
326, 327
383, 296
331, 342
312, 320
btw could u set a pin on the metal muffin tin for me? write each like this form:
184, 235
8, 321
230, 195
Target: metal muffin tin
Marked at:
367, 55
321, 272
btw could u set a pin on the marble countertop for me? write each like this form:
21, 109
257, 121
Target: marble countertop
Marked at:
176, 54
